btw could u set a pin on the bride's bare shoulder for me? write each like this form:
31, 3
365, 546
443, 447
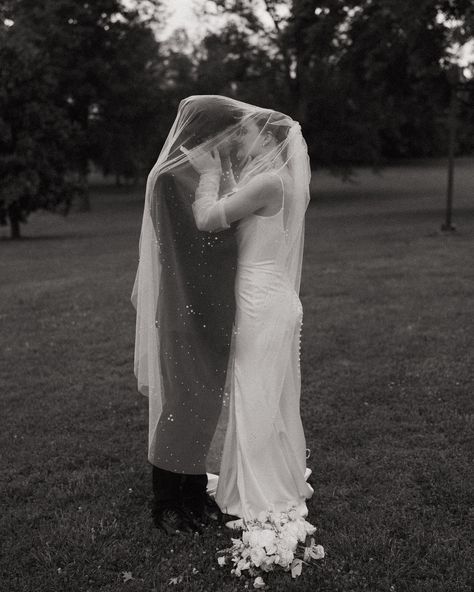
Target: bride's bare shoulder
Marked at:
270, 193
264, 187
269, 182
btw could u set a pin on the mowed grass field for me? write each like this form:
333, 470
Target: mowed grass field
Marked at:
387, 387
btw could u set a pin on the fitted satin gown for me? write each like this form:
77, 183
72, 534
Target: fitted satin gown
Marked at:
263, 463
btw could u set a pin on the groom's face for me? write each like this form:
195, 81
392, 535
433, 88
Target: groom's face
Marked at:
226, 146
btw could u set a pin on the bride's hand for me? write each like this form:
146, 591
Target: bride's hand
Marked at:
225, 148
205, 162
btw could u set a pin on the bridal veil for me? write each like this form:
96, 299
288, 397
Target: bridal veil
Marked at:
184, 286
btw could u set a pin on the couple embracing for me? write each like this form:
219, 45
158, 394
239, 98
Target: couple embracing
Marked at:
219, 316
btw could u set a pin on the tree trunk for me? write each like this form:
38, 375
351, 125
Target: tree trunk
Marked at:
84, 200
84, 203
14, 217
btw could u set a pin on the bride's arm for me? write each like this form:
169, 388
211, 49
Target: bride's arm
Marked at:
213, 214
208, 208
228, 181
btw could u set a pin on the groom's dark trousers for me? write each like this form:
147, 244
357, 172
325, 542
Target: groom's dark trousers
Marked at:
172, 489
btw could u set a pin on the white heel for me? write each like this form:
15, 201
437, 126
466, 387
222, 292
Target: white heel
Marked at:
235, 524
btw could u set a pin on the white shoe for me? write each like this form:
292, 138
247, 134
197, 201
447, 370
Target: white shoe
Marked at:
235, 524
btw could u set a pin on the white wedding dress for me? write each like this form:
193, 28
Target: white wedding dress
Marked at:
263, 463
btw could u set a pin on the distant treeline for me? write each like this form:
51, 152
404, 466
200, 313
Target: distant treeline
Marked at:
86, 83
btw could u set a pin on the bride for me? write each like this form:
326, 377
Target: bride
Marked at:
219, 316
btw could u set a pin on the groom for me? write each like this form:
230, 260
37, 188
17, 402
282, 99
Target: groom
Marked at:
195, 315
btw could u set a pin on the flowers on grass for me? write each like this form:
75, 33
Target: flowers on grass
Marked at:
271, 541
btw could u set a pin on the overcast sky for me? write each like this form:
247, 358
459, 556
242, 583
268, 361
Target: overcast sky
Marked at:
183, 15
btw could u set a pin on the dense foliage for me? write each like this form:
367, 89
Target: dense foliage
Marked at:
367, 79
88, 82
78, 84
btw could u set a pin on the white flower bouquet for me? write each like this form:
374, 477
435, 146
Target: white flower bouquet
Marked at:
274, 540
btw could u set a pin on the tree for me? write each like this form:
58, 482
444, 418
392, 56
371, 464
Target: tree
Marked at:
95, 49
365, 78
395, 64
79, 82
230, 63
36, 134
124, 129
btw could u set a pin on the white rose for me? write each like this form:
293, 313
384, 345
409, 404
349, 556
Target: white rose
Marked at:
267, 539
310, 529
254, 538
271, 549
313, 551
262, 516
257, 555
288, 559
242, 564
290, 528
277, 518
261, 538
249, 539
285, 557
318, 552
302, 530
288, 541
267, 563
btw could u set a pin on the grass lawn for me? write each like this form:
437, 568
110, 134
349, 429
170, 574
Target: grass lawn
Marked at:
387, 367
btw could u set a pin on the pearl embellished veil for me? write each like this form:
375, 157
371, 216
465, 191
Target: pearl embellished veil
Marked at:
184, 286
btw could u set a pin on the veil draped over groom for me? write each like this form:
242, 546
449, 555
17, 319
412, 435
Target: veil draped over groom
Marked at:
184, 296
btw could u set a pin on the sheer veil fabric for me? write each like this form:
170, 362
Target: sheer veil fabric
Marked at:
185, 286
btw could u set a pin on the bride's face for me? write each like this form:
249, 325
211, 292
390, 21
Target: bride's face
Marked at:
250, 140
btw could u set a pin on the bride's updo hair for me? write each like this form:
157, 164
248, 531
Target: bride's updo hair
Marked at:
276, 123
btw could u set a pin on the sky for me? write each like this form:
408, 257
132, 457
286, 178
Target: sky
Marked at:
183, 14
180, 13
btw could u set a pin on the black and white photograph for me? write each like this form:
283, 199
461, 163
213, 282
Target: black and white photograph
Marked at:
236, 295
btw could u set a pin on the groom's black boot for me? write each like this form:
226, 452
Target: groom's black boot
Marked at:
168, 511
197, 501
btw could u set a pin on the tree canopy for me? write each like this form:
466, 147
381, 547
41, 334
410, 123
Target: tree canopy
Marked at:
90, 82
79, 84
